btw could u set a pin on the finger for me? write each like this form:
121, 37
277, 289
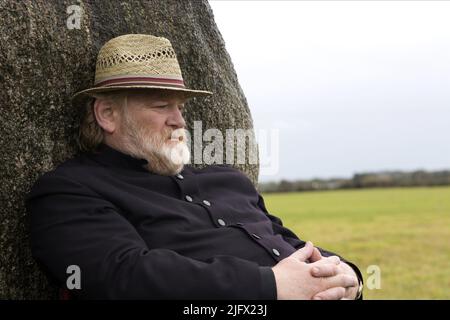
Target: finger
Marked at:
324, 270
333, 259
304, 253
316, 255
341, 280
335, 293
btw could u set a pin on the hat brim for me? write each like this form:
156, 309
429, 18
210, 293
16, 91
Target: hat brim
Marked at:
187, 93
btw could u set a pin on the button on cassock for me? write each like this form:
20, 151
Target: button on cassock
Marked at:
221, 222
188, 198
206, 202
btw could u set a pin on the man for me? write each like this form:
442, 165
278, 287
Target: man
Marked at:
140, 224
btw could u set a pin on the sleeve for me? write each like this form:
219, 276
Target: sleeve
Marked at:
72, 225
297, 243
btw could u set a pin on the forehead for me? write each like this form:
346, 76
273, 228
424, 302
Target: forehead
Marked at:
154, 96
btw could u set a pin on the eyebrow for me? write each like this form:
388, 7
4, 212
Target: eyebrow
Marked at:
155, 102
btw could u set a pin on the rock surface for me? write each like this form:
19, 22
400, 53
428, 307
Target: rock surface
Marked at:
45, 58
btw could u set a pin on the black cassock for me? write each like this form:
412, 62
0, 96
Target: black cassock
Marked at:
201, 234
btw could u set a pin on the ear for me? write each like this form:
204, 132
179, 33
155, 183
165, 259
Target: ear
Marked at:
107, 115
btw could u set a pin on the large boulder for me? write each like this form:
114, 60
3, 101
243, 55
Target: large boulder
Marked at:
48, 52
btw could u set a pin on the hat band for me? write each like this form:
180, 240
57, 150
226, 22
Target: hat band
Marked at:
128, 81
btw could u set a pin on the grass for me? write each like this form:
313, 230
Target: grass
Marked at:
404, 231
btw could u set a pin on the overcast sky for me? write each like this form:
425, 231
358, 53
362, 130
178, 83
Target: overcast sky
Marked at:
351, 86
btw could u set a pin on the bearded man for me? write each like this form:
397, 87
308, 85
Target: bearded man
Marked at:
138, 223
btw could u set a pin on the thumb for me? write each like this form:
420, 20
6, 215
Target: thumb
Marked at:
316, 255
304, 253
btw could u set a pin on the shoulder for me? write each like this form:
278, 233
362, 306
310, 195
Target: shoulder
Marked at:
66, 177
224, 175
217, 168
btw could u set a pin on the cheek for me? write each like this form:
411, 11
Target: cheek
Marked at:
153, 122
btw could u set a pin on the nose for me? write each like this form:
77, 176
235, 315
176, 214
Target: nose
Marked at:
176, 119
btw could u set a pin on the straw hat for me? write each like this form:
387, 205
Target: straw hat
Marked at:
138, 61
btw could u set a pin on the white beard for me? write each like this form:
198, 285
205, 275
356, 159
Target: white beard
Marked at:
164, 156
179, 153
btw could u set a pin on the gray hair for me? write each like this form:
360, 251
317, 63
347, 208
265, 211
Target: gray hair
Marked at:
90, 134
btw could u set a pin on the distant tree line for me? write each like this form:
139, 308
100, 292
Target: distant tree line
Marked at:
383, 179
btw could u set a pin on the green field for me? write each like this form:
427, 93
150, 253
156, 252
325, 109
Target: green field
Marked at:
404, 231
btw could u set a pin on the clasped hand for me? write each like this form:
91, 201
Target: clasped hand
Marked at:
306, 274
